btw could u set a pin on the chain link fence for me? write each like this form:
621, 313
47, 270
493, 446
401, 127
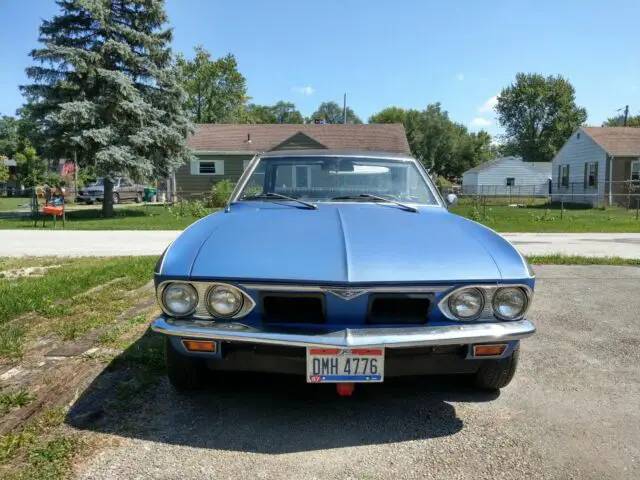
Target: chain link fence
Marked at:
625, 194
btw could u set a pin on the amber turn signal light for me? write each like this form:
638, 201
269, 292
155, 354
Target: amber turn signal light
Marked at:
199, 346
494, 350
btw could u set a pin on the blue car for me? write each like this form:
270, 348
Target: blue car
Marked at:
342, 267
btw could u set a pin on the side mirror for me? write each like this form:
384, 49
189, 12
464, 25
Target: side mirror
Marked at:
452, 200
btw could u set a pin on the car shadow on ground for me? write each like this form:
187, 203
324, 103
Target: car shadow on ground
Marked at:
273, 414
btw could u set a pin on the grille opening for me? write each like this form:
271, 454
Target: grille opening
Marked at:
293, 308
394, 308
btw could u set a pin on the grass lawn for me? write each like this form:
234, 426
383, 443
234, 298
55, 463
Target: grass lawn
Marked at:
127, 217
14, 203
541, 218
66, 299
52, 294
533, 218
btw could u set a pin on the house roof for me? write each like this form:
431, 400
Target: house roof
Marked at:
491, 163
539, 167
544, 167
8, 162
265, 137
617, 141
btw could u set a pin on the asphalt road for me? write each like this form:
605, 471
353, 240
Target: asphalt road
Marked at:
571, 412
109, 243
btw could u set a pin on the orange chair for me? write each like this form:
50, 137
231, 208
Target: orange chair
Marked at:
48, 209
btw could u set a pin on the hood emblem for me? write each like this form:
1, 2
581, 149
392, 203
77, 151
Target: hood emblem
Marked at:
347, 293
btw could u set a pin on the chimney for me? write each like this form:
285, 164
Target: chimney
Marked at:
248, 138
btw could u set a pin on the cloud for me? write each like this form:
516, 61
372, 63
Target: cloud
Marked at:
460, 76
308, 90
480, 122
489, 105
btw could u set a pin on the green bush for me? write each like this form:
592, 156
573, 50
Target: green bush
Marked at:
197, 208
442, 182
192, 208
220, 193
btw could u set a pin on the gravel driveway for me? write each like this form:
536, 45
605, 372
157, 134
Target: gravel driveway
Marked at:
572, 411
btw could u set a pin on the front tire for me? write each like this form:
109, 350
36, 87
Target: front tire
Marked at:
185, 373
138, 197
496, 374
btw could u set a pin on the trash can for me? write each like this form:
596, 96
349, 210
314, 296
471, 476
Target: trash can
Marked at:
149, 192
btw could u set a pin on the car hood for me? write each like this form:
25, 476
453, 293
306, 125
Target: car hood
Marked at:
341, 243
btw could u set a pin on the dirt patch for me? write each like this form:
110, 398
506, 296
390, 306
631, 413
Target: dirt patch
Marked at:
55, 372
15, 273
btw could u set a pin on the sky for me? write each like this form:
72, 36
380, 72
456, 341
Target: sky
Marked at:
406, 53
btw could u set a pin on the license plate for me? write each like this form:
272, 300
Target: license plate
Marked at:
334, 365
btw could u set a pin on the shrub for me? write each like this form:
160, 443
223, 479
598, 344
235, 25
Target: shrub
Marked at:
475, 215
196, 208
220, 193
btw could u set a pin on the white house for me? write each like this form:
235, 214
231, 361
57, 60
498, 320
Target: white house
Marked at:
507, 176
599, 165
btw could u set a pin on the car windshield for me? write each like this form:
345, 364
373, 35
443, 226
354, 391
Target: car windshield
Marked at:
317, 179
98, 183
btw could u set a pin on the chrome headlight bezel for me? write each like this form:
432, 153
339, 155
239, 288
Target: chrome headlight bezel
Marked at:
488, 313
481, 296
521, 313
230, 288
202, 312
188, 287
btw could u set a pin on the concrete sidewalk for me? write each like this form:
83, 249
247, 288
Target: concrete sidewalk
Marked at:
15, 243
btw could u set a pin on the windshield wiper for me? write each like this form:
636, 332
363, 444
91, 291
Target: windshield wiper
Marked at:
378, 198
264, 196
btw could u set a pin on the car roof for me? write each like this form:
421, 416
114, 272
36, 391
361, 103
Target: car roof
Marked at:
326, 152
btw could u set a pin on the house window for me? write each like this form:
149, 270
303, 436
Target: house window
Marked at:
207, 168
511, 181
564, 175
635, 171
591, 175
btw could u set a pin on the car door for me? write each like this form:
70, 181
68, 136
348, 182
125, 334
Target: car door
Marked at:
126, 187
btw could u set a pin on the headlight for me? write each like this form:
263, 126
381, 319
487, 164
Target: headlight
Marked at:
224, 301
467, 304
179, 299
509, 303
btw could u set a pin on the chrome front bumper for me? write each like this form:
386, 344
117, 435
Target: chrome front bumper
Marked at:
359, 337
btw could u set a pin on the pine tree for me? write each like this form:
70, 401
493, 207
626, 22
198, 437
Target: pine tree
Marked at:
105, 86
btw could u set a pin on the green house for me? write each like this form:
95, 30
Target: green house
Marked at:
223, 151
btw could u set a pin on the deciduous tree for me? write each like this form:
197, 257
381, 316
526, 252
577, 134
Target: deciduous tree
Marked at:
10, 140
539, 114
331, 112
445, 147
4, 172
216, 90
632, 121
31, 168
105, 87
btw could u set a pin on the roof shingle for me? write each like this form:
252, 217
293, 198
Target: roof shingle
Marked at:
264, 137
617, 141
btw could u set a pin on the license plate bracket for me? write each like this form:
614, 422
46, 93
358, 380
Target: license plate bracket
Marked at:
352, 365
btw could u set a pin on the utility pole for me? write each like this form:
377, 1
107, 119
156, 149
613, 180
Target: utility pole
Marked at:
344, 110
626, 114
